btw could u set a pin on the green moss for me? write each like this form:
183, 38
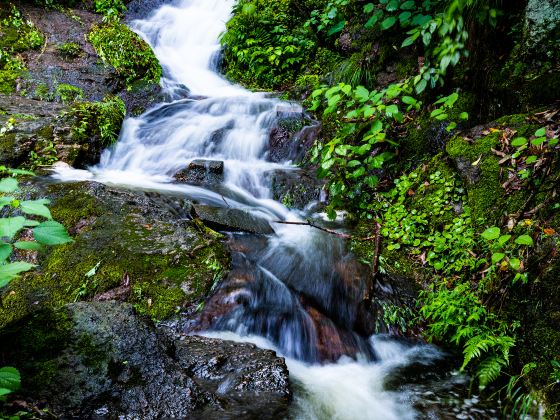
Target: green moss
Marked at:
126, 51
163, 275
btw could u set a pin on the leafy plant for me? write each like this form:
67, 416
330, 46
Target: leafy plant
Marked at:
98, 118
456, 315
67, 93
15, 220
69, 49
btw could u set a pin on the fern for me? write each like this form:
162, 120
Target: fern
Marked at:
489, 370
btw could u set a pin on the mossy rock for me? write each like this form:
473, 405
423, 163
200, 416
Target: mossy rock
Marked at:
119, 237
479, 167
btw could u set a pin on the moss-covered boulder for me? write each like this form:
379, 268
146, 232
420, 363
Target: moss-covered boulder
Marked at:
38, 133
143, 247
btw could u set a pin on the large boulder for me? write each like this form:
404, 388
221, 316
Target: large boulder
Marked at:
202, 171
101, 360
232, 219
141, 246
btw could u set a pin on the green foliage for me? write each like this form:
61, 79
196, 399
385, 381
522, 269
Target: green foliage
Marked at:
69, 49
456, 315
16, 35
110, 8
67, 93
361, 144
17, 218
43, 157
98, 118
10, 380
130, 55
262, 48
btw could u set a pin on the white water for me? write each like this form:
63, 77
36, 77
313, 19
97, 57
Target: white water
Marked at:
233, 124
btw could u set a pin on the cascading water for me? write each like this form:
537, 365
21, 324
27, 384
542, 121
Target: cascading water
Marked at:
296, 290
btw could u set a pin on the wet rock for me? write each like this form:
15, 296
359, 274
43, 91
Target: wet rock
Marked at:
291, 138
100, 359
231, 219
542, 19
202, 171
295, 188
147, 238
247, 381
29, 125
467, 171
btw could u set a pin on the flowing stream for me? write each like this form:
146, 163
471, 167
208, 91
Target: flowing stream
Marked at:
297, 290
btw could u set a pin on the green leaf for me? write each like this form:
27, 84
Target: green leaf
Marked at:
368, 8
515, 264
8, 185
392, 5
409, 100
36, 207
10, 380
9, 226
497, 257
540, 132
538, 141
524, 240
361, 93
408, 5
388, 22
464, 115
531, 159
51, 233
5, 251
491, 233
518, 141
337, 28
28, 245
421, 86
10, 271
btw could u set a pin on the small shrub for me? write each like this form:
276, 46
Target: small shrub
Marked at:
69, 49
103, 119
67, 93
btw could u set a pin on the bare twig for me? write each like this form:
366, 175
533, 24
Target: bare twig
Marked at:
331, 231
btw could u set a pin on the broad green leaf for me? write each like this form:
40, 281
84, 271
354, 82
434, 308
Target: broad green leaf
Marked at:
9, 226
5, 251
524, 240
503, 239
5, 201
388, 22
497, 257
10, 271
408, 5
8, 185
518, 141
36, 207
515, 264
531, 159
540, 132
368, 8
10, 380
491, 233
464, 115
361, 93
337, 28
409, 100
538, 141
28, 245
51, 233
392, 5
421, 86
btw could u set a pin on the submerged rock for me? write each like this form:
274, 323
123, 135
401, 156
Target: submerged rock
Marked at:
295, 188
99, 360
201, 171
231, 219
